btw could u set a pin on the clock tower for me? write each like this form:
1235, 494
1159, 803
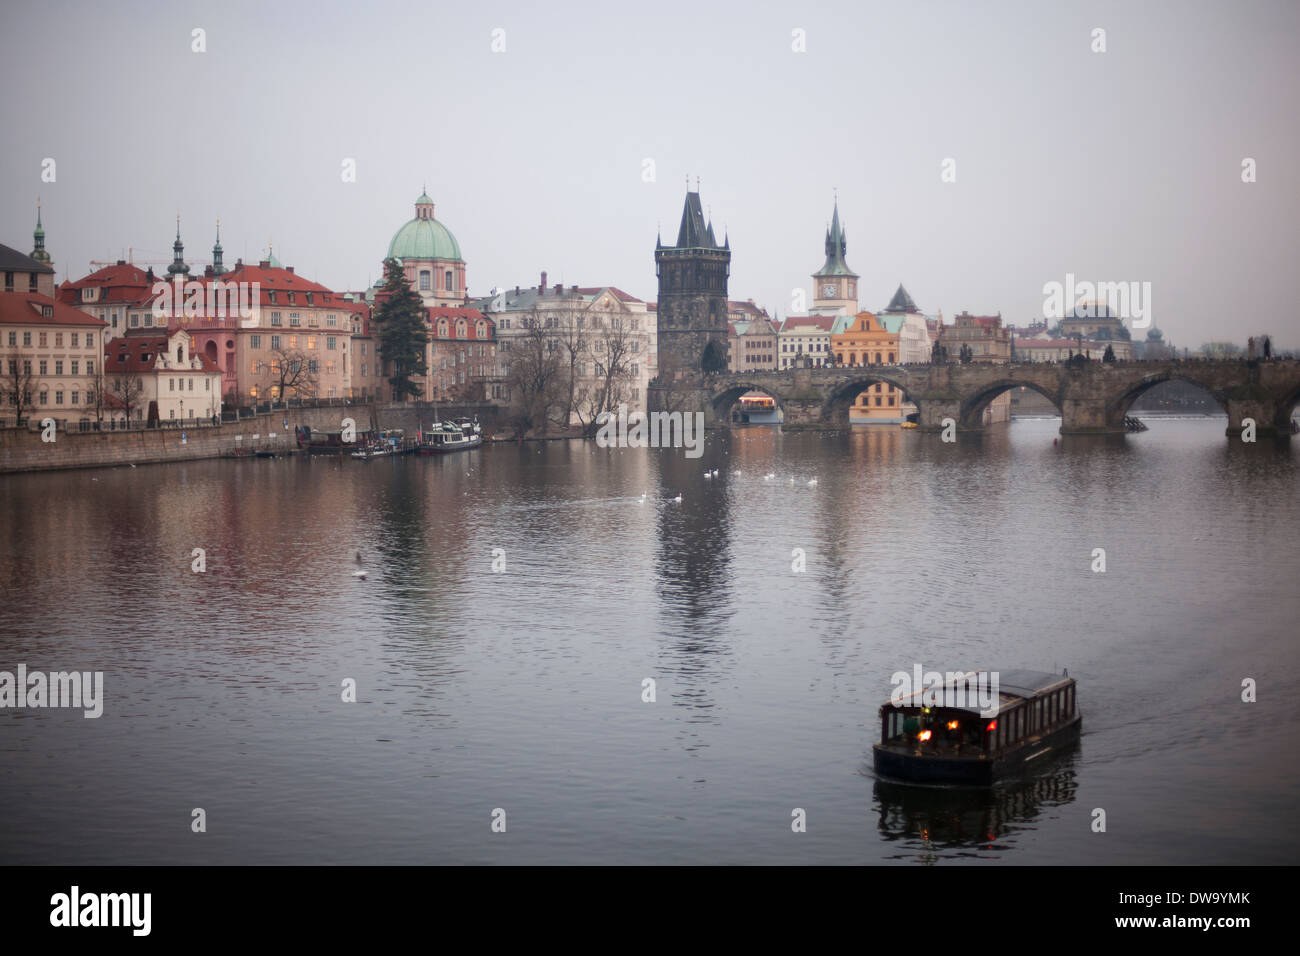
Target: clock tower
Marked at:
835, 285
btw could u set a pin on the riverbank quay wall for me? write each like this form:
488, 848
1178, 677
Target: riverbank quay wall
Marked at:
23, 449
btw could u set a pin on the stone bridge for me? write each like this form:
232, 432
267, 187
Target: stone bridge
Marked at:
1093, 397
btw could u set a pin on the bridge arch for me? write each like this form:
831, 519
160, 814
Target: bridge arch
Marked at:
973, 406
1119, 404
860, 378
725, 400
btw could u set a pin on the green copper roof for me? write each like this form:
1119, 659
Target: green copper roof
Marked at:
424, 239
836, 247
424, 198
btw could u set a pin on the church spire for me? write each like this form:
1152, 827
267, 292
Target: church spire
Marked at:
178, 266
217, 267
38, 238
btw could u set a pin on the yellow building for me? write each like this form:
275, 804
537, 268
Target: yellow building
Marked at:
863, 340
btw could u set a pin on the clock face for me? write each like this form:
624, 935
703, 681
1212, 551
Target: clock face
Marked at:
828, 291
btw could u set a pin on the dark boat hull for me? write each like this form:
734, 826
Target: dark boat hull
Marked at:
892, 763
448, 449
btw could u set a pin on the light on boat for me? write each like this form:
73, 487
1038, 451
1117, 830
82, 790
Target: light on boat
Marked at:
993, 725
952, 725
923, 735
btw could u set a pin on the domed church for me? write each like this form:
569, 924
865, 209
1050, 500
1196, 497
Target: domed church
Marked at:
430, 256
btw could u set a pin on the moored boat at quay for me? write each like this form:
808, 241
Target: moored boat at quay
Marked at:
940, 735
440, 438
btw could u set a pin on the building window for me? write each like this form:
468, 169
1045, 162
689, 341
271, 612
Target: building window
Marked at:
275, 318
75, 395
295, 319
58, 397
311, 342
76, 367
255, 341
58, 367
293, 341
275, 341
45, 367
27, 338
449, 281
90, 366
13, 339
331, 342
426, 280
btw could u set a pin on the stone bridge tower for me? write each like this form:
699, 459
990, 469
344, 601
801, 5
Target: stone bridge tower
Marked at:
692, 309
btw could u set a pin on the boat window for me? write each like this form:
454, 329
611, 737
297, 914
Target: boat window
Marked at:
1038, 714
1018, 723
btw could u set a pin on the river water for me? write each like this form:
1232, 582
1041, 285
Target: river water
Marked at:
519, 693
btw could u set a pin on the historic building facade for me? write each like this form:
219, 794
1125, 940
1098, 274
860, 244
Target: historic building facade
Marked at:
50, 357
594, 330
863, 339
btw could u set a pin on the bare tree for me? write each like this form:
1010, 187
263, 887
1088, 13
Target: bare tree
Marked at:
535, 380
573, 347
292, 371
613, 356
18, 382
127, 387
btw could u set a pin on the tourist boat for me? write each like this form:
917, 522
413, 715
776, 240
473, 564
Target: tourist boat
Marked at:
441, 438
928, 738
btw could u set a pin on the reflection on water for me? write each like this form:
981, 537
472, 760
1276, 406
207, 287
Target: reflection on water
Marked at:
928, 824
522, 688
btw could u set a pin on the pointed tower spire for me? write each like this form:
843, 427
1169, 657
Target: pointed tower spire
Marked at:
38, 238
178, 266
217, 267
836, 249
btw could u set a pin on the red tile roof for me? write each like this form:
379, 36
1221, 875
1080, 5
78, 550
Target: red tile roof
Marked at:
122, 282
128, 354
25, 308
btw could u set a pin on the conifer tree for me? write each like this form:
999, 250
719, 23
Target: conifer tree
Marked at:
403, 333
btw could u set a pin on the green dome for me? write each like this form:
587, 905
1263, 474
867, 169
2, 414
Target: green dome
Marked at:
424, 239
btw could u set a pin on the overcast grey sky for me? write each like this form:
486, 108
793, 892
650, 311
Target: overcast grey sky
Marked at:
1115, 166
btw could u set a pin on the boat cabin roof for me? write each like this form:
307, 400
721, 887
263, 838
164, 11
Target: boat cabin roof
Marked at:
1013, 687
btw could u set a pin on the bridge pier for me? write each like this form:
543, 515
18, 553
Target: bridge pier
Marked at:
935, 409
1263, 411
1090, 416
799, 414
